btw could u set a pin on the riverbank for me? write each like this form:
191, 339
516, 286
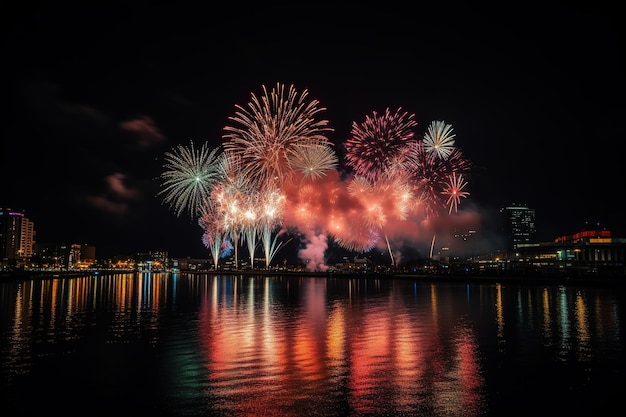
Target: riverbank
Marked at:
495, 278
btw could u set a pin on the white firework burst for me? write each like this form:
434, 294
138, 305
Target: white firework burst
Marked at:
313, 158
266, 133
439, 139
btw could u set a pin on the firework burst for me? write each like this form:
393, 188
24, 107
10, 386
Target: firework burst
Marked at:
313, 159
431, 176
378, 142
351, 232
190, 173
272, 130
439, 139
454, 191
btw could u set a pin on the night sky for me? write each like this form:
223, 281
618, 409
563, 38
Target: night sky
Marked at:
95, 95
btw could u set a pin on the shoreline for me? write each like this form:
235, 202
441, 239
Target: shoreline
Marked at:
496, 278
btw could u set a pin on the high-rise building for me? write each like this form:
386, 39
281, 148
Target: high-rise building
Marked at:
518, 225
17, 237
27, 239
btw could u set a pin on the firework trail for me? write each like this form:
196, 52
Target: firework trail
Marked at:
231, 198
212, 236
250, 226
272, 204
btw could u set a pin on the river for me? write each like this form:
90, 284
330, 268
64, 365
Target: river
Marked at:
165, 344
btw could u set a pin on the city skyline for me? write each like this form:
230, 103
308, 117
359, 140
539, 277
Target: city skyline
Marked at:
94, 108
517, 222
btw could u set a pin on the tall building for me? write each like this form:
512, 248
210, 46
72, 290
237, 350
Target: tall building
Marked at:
27, 239
17, 237
518, 225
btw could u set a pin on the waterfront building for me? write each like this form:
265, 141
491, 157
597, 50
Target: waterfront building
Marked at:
518, 225
152, 261
588, 253
17, 237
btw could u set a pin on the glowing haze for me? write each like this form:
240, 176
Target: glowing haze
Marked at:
277, 176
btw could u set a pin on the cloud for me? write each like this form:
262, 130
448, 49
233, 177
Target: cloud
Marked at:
104, 204
146, 129
119, 189
116, 197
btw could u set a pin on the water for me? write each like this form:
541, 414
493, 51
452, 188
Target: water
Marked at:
209, 345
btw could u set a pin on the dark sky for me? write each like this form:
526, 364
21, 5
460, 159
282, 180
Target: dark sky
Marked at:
96, 94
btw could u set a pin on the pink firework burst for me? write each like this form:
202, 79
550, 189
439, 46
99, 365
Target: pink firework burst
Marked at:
351, 232
454, 191
378, 142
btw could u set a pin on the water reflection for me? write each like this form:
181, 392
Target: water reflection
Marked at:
254, 345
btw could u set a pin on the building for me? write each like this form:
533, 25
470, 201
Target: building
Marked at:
152, 261
588, 254
518, 225
17, 237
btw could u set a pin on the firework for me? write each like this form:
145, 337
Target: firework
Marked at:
271, 205
189, 176
307, 205
439, 139
430, 175
274, 129
214, 243
379, 142
212, 237
270, 245
387, 197
278, 172
353, 234
313, 159
454, 191
231, 198
250, 227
